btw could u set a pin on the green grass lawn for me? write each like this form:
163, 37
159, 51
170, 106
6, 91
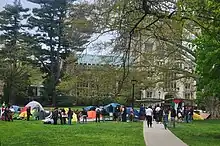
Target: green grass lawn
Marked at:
199, 133
34, 133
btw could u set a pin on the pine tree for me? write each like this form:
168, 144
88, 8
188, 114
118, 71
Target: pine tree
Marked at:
13, 51
52, 34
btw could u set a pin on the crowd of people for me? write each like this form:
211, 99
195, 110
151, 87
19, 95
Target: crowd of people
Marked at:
160, 114
119, 113
6, 113
63, 116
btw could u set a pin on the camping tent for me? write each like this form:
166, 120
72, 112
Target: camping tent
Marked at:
34, 105
90, 108
114, 105
136, 113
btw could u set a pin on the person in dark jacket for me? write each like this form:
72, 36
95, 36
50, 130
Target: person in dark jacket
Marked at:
55, 115
104, 114
160, 115
173, 116
60, 116
28, 113
186, 114
191, 114
124, 114
70, 116
85, 115
98, 113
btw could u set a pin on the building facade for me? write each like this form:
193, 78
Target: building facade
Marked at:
168, 74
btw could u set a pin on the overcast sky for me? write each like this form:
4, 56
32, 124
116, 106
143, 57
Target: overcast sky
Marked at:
89, 50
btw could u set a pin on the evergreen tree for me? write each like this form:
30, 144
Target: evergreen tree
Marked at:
53, 27
13, 51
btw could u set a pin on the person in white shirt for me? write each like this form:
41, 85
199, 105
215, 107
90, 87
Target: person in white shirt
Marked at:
149, 114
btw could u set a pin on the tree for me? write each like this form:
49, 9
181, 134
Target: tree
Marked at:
95, 84
137, 24
13, 51
57, 36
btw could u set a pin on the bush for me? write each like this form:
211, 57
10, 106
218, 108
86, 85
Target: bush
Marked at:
64, 101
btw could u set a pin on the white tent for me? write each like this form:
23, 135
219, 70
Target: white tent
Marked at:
34, 105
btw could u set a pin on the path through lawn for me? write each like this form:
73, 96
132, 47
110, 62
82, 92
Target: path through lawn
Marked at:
199, 133
23, 133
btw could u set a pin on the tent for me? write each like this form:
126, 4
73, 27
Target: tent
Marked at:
92, 115
90, 108
136, 113
16, 108
114, 105
34, 105
197, 116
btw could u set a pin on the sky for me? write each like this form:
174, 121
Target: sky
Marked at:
90, 49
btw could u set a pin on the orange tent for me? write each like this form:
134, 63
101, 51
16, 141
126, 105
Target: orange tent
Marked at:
92, 114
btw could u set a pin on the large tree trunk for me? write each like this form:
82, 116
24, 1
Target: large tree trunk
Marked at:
213, 106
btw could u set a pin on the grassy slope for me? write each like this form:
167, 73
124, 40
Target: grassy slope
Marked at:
199, 133
23, 133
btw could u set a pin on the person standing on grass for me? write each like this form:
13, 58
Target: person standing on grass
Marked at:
55, 115
60, 116
117, 113
191, 114
98, 113
173, 116
78, 115
179, 114
124, 114
85, 115
149, 114
64, 116
186, 114
6, 114
28, 113
131, 116
70, 116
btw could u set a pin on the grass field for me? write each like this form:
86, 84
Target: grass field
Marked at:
34, 133
199, 133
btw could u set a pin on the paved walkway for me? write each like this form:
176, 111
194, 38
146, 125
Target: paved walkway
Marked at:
158, 136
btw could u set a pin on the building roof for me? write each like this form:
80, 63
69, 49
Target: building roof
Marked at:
99, 59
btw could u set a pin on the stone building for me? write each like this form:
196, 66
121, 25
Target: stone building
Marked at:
168, 74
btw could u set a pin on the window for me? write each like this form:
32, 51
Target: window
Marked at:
160, 63
171, 85
149, 94
187, 86
179, 65
187, 96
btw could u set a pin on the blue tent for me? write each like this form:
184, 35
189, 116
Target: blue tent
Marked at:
136, 113
114, 105
89, 108
16, 108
